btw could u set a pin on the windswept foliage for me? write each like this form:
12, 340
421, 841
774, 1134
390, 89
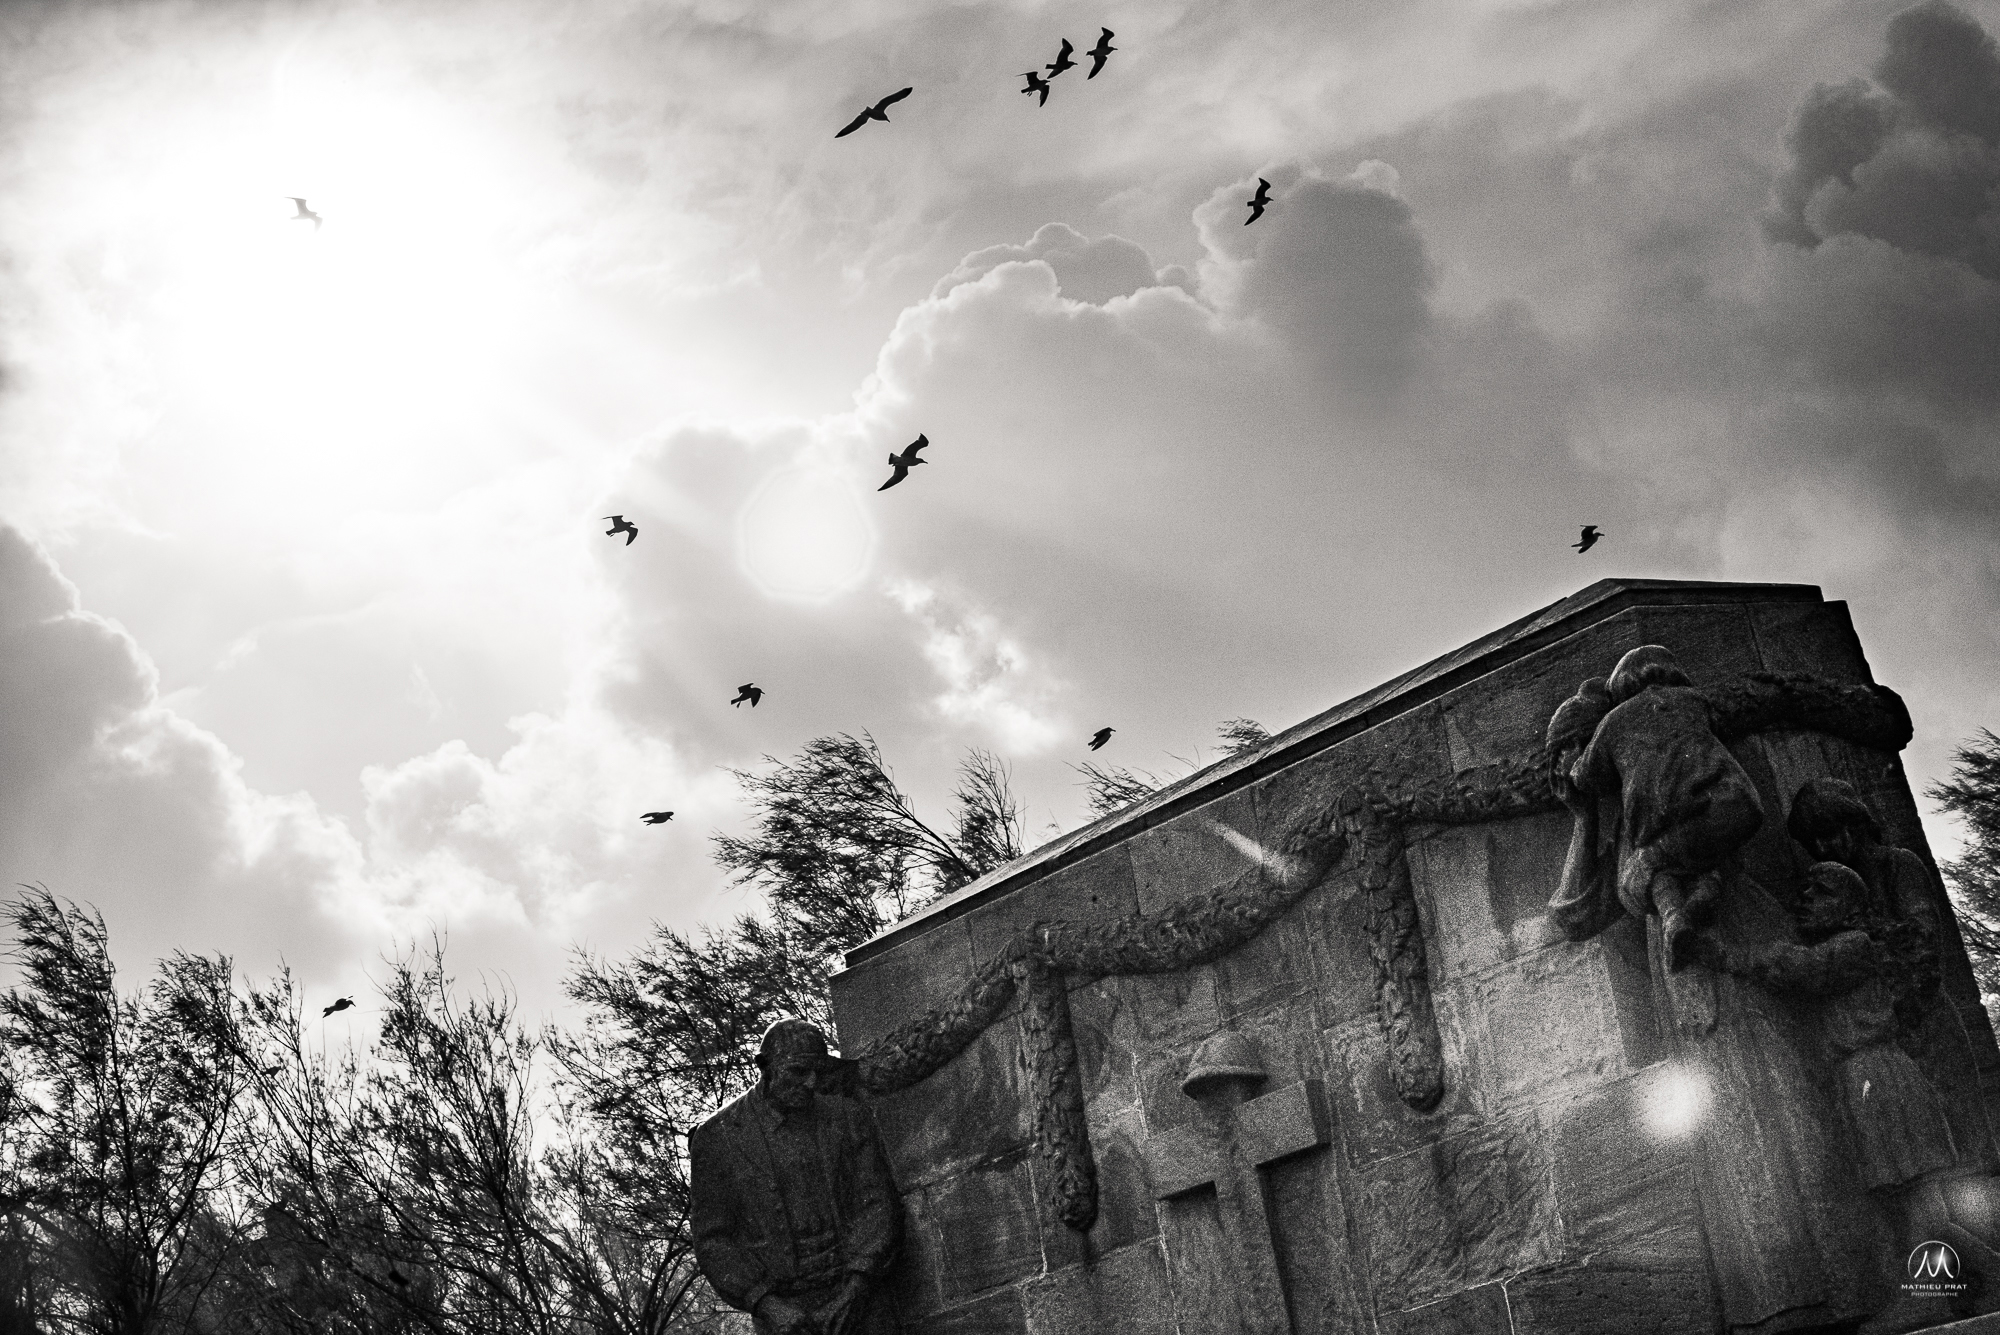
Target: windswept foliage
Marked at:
1972, 793
1108, 789
119, 1112
187, 1159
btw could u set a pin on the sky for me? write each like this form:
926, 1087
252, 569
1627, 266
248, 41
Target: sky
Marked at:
312, 643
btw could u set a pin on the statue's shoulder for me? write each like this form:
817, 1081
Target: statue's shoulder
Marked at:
851, 1115
722, 1123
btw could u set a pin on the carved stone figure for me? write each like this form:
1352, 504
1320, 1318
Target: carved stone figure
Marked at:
1867, 956
796, 1219
1683, 803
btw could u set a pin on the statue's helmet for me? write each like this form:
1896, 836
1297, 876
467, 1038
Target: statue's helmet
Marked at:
1826, 806
1648, 665
1577, 718
789, 1037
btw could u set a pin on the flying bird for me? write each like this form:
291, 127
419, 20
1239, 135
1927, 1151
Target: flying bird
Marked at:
620, 524
657, 817
748, 692
1100, 737
1257, 202
1063, 62
878, 112
304, 212
1037, 84
1100, 53
1590, 537
342, 1004
905, 461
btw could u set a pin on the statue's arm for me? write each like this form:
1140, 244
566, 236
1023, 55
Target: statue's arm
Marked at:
1839, 964
875, 1216
731, 1268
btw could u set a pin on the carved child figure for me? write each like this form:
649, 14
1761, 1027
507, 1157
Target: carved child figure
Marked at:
1684, 803
1868, 954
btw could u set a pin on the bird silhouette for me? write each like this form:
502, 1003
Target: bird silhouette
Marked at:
620, 524
342, 1004
905, 461
657, 817
1100, 53
273, 1070
1100, 737
1589, 539
1062, 61
1037, 84
1258, 201
304, 212
398, 1278
747, 692
878, 112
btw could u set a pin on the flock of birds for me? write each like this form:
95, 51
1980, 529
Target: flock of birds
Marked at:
901, 463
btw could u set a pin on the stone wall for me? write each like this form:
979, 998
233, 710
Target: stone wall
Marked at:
1551, 1188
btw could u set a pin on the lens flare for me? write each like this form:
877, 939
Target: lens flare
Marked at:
804, 535
1678, 1100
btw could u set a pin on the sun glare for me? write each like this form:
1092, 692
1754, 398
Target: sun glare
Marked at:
805, 535
356, 362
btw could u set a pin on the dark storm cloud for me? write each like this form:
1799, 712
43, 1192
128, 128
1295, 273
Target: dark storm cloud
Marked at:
1342, 273
1914, 164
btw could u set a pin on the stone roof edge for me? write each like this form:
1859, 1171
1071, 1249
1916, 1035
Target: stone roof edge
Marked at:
1559, 620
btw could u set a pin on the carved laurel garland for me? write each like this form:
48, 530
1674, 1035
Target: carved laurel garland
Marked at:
1368, 819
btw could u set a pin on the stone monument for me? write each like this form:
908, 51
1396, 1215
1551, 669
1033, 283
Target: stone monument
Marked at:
1593, 977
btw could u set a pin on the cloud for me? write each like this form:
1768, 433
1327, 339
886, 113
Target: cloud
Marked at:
1086, 269
1915, 165
990, 681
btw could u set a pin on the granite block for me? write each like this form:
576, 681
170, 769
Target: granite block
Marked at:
1505, 713
913, 1281
1476, 1311
1125, 1290
1623, 1180
1809, 637
1626, 1298
1340, 971
1484, 891
1125, 1209
1196, 853
1372, 1120
1098, 888
1712, 642
1272, 969
1463, 1211
1314, 1247
1001, 1313
1106, 1043
1166, 1008
1547, 1024
978, 1107
1199, 1267
986, 1226
875, 996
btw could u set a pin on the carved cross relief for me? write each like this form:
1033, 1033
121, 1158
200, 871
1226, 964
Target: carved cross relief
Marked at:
1240, 1137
